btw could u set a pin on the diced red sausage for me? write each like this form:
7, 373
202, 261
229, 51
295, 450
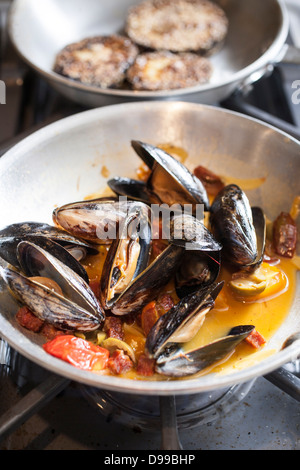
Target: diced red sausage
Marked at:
285, 235
113, 328
155, 309
119, 362
145, 366
28, 320
165, 302
50, 332
255, 339
149, 317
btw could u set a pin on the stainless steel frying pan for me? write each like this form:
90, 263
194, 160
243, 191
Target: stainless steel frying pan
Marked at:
256, 41
63, 162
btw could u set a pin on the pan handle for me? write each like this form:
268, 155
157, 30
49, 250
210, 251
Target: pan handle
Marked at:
289, 55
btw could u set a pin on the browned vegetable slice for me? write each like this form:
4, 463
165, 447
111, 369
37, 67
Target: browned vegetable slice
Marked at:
163, 70
177, 25
99, 61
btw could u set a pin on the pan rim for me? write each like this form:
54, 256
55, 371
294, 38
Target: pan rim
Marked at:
33, 351
267, 59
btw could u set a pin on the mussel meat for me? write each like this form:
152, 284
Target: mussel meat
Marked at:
128, 255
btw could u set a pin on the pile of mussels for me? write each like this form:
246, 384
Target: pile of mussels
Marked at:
236, 236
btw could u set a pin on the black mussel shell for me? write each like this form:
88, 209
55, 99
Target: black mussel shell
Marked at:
190, 232
47, 305
96, 221
12, 235
53, 248
40, 263
198, 269
176, 362
148, 283
170, 180
232, 225
181, 316
133, 189
132, 245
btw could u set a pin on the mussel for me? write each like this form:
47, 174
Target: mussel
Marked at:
148, 283
197, 269
182, 322
170, 182
232, 223
56, 241
200, 265
76, 309
96, 221
133, 189
259, 223
128, 255
168, 339
177, 362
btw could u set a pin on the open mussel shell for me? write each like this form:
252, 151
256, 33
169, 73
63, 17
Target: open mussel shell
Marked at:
12, 235
39, 263
176, 362
170, 180
232, 224
128, 255
182, 322
198, 269
149, 282
133, 189
48, 305
56, 250
96, 221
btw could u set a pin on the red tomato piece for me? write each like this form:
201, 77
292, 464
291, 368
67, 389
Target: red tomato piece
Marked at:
78, 352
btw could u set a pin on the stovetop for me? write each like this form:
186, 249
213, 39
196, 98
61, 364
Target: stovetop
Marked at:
39, 411
262, 417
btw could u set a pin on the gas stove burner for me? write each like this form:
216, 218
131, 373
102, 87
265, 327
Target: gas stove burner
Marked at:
144, 412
